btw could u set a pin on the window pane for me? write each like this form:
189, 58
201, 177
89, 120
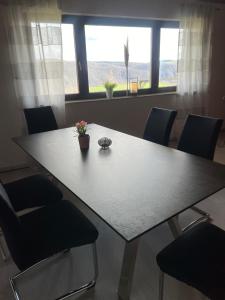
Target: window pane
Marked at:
105, 55
168, 57
69, 59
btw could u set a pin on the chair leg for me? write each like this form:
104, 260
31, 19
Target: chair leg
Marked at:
84, 287
201, 212
205, 217
161, 285
2, 251
175, 226
95, 261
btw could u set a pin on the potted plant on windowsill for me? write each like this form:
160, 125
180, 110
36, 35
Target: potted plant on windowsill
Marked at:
83, 138
109, 86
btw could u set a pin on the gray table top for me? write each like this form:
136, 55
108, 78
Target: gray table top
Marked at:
133, 186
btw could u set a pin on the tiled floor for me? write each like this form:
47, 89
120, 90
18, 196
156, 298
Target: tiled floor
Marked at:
50, 280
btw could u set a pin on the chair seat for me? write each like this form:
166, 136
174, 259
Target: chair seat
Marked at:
198, 259
32, 191
52, 229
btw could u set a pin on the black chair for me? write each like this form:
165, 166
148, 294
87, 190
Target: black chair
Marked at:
40, 119
159, 125
31, 192
43, 233
199, 137
196, 258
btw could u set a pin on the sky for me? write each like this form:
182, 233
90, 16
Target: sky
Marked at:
106, 43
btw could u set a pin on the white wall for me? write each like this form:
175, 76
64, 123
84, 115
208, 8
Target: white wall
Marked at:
127, 115
217, 90
123, 8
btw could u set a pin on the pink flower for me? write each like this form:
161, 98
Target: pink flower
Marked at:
81, 127
83, 123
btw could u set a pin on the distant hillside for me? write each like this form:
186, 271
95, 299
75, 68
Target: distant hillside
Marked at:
100, 72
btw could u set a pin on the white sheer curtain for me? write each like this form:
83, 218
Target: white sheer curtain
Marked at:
194, 62
35, 43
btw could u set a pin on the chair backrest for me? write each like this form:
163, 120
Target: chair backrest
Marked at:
199, 135
11, 227
40, 119
159, 125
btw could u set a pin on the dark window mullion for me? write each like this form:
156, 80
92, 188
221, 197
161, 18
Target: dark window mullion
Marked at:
155, 55
81, 58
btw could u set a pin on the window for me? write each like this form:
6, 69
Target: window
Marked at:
93, 53
105, 55
168, 57
69, 59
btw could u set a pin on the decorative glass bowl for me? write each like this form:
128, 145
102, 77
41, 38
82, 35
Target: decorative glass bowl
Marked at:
104, 142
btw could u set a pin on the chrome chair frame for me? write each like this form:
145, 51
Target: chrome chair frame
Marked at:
2, 251
84, 287
175, 227
161, 285
205, 217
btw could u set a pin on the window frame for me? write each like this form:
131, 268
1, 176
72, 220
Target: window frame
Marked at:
79, 23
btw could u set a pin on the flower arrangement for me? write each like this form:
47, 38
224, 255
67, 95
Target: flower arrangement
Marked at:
83, 138
109, 86
81, 128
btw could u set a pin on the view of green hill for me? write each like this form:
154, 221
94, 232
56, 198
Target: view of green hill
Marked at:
100, 72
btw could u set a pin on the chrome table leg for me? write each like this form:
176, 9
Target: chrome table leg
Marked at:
127, 272
175, 226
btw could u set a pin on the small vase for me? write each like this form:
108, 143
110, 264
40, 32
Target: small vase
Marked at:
84, 141
109, 94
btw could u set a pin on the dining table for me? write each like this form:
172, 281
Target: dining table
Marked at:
133, 186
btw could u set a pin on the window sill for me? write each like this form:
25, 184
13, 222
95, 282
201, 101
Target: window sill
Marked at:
120, 98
